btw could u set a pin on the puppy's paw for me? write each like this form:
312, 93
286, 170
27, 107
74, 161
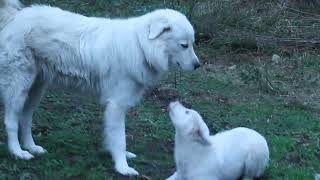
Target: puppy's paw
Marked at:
36, 150
127, 171
130, 155
25, 155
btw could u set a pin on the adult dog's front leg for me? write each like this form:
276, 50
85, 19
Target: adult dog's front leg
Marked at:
114, 118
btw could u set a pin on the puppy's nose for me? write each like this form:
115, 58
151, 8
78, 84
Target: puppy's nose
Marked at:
196, 65
172, 104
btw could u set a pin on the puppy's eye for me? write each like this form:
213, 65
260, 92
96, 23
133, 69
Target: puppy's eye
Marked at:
187, 112
185, 46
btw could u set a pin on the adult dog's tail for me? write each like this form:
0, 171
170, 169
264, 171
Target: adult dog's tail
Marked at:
8, 9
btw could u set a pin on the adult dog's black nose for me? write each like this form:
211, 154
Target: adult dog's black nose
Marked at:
196, 65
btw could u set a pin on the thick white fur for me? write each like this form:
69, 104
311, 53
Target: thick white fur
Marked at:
240, 152
114, 59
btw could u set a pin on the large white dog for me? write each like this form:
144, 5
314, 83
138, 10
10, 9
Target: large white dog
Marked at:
237, 153
113, 59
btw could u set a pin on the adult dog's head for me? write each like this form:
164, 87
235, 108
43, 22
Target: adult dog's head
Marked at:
188, 124
168, 40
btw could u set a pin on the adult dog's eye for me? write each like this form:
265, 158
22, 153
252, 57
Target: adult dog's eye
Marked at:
184, 46
187, 112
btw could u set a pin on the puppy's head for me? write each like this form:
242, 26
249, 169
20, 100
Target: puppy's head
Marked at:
189, 124
172, 37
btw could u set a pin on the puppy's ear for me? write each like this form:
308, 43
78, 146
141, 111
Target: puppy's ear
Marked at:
200, 133
157, 27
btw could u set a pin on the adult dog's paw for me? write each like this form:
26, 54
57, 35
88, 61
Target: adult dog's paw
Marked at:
127, 171
25, 155
130, 155
36, 150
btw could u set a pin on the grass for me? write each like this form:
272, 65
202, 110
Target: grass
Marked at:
233, 88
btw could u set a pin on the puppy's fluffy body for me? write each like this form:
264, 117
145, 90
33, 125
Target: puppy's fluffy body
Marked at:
237, 153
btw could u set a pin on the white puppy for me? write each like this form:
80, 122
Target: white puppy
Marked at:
237, 153
116, 60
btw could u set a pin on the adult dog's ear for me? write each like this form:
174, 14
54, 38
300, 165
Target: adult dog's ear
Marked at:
200, 133
158, 27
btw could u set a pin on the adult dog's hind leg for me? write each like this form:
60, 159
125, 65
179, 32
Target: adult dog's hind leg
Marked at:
32, 102
15, 97
17, 74
116, 139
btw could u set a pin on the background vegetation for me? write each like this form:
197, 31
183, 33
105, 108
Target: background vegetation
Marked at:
240, 84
